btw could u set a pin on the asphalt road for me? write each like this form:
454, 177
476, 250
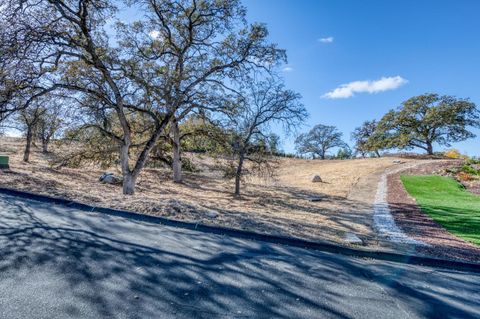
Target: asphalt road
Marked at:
58, 262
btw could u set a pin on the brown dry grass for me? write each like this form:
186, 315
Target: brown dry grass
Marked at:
276, 206
339, 176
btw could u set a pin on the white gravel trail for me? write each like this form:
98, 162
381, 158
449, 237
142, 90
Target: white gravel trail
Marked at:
383, 221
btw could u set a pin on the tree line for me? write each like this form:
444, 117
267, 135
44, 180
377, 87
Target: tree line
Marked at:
419, 122
129, 86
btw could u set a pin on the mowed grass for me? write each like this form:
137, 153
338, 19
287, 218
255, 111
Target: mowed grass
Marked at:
448, 203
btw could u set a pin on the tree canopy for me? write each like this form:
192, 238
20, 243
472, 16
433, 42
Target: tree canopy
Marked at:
319, 140
179, 57
426, 119
365, 141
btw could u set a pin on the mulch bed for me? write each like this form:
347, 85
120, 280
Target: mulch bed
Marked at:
473, 187
420, 226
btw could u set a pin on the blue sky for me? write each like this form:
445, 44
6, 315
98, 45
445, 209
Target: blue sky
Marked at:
432, 45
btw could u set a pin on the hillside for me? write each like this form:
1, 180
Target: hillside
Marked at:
280, 205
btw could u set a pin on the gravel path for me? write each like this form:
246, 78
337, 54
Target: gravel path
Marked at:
383, 221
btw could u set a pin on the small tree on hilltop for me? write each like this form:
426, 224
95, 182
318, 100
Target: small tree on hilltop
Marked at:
426, 119
319, 140
344, 153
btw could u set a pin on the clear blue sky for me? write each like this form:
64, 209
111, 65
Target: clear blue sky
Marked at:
432, 44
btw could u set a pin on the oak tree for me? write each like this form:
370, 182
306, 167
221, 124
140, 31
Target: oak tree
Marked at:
159, 70
424, 120
364, 141
319, 140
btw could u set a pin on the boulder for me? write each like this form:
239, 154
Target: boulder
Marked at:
351, 238
317, 179
110, 178
212, 214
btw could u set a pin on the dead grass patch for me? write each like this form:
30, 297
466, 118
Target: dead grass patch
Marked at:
280, 205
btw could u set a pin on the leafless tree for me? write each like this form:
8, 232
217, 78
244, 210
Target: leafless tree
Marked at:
51, 122
26, 122
262, 103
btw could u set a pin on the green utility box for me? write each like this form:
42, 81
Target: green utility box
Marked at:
4, 162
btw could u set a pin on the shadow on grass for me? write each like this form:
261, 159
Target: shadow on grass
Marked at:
460, 222
418, 223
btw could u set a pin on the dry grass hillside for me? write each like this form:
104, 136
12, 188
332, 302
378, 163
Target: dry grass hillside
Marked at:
281, 205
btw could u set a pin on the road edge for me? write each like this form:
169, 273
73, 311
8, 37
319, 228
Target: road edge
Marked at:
237, 233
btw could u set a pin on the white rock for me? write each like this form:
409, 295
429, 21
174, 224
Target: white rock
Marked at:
351, 238
212, 214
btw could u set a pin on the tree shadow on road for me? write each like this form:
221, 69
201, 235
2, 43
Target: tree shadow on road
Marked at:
125, 268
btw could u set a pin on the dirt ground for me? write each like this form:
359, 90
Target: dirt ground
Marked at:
281, 205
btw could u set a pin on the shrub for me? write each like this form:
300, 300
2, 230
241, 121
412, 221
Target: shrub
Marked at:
470, 169
452, 153
474, 161
464, 177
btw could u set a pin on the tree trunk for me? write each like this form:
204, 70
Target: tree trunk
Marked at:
45, 146
323, 153
129, 181
177, 161
429, 148
238, 174
26, 153
130, 176
377, 153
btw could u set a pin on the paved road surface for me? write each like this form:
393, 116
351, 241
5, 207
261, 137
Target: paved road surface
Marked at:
57, 262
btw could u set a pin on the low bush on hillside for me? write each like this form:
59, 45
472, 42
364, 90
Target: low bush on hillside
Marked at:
466, 173
464, 177
474, 161
471, 169
453, 153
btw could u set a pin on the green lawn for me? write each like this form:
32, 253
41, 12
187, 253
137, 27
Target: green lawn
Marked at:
448, 203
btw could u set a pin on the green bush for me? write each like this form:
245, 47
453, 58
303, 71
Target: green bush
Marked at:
469, 169
474, 161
